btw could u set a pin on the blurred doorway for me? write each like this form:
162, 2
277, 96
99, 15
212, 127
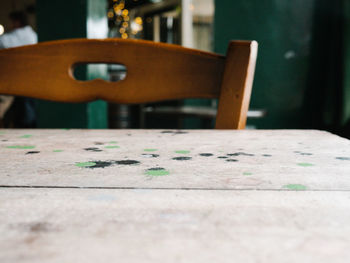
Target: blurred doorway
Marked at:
183, 22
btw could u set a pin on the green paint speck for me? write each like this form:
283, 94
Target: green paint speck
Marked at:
157, 172
26, 136
182, 152
112, 147
85, 164
57, 151
297, 187
305, 164
2, 133
246, 174
150, 150
21, 147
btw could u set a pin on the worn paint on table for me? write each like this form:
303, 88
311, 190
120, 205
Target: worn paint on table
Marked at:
150, 150
85, 164
182, 151
112, 147
158, 171
297, 187
305, 164
23, 147
26, 136
218, 159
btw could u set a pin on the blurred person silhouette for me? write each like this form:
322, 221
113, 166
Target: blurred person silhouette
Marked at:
17, 112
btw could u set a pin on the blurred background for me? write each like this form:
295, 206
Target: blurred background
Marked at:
302, 77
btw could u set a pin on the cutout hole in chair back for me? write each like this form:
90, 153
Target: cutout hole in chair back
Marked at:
107, 71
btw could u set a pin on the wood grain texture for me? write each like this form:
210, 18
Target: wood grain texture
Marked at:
155, 72
214, 159
284, 199
237, 85
172, 226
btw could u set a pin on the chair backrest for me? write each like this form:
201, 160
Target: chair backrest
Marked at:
155, 72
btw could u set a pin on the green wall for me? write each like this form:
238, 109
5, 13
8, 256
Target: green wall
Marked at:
346, 95
63, 19
299, 74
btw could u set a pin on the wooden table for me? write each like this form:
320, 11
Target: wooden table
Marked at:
174, 196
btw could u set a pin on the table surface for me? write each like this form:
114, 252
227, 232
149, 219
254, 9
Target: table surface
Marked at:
174, 196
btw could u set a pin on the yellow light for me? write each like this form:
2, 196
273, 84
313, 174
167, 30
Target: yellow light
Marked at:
124, 35
110, 14
125, 12
119, 19
125, 24
122, 30
138, 20
117, 10
127, 18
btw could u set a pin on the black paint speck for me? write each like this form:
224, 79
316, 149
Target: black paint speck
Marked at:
182, 158
126, 162
180, 132
32, 152
156, 169
150, 155
222, 157
104, 164
101, 164
206, 154
267, 155
240, 154
99, 143
343, 158
231, 160
4, 140
302, 153
174, 132
93, 149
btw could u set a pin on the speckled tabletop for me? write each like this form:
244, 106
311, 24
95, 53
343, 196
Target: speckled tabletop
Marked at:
174, 196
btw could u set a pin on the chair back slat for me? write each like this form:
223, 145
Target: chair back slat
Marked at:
155, 71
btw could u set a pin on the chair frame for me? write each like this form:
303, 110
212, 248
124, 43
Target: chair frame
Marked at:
155, 72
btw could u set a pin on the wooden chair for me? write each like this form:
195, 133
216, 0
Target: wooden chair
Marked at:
155, 72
